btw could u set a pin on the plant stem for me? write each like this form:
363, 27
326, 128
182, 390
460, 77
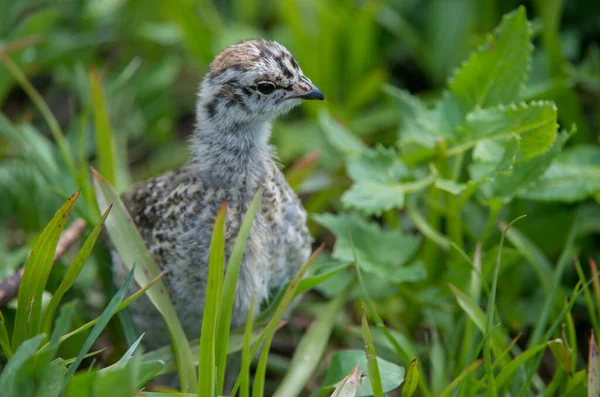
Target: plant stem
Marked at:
495, 207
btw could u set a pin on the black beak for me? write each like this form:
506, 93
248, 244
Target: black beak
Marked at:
313, 93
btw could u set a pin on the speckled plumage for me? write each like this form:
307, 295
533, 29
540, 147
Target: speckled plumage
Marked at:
231, 159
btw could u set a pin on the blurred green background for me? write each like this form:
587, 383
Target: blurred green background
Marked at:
151, 56
148, 58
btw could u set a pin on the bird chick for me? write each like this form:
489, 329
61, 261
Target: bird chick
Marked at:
249, 84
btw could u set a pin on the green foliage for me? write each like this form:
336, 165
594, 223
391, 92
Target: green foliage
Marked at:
380, 252
207, 376
35, 276
434, 135
132, 250
342, 363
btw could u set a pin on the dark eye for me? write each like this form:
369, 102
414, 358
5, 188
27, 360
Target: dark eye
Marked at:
266, 87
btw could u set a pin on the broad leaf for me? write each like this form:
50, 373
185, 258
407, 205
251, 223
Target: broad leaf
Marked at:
534, 124
373, 198
420, 128
348, 386
495, 73
344, 362
382, 252
517, 177
377, 165
574, 176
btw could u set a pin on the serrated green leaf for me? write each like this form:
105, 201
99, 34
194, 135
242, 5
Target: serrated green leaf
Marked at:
420, 128
534, 124
517, 177
495, 73
421, 125
375, 197
378, 251
377, 165
574, 176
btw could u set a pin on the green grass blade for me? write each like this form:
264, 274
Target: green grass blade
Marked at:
258, 388
549, 303
61, 326
593, 368
536, 258
105, 143
72, 273
87, 355
103, 320
38, 100
504, 375
4, 339
129, 353
132, 249
472, 310
306, 284
212, 302
236, 343
448, 391
244, 377
35, 275
122, 306
400, 351
589, 300
487, 347
229, 288
311, 348
374, 375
